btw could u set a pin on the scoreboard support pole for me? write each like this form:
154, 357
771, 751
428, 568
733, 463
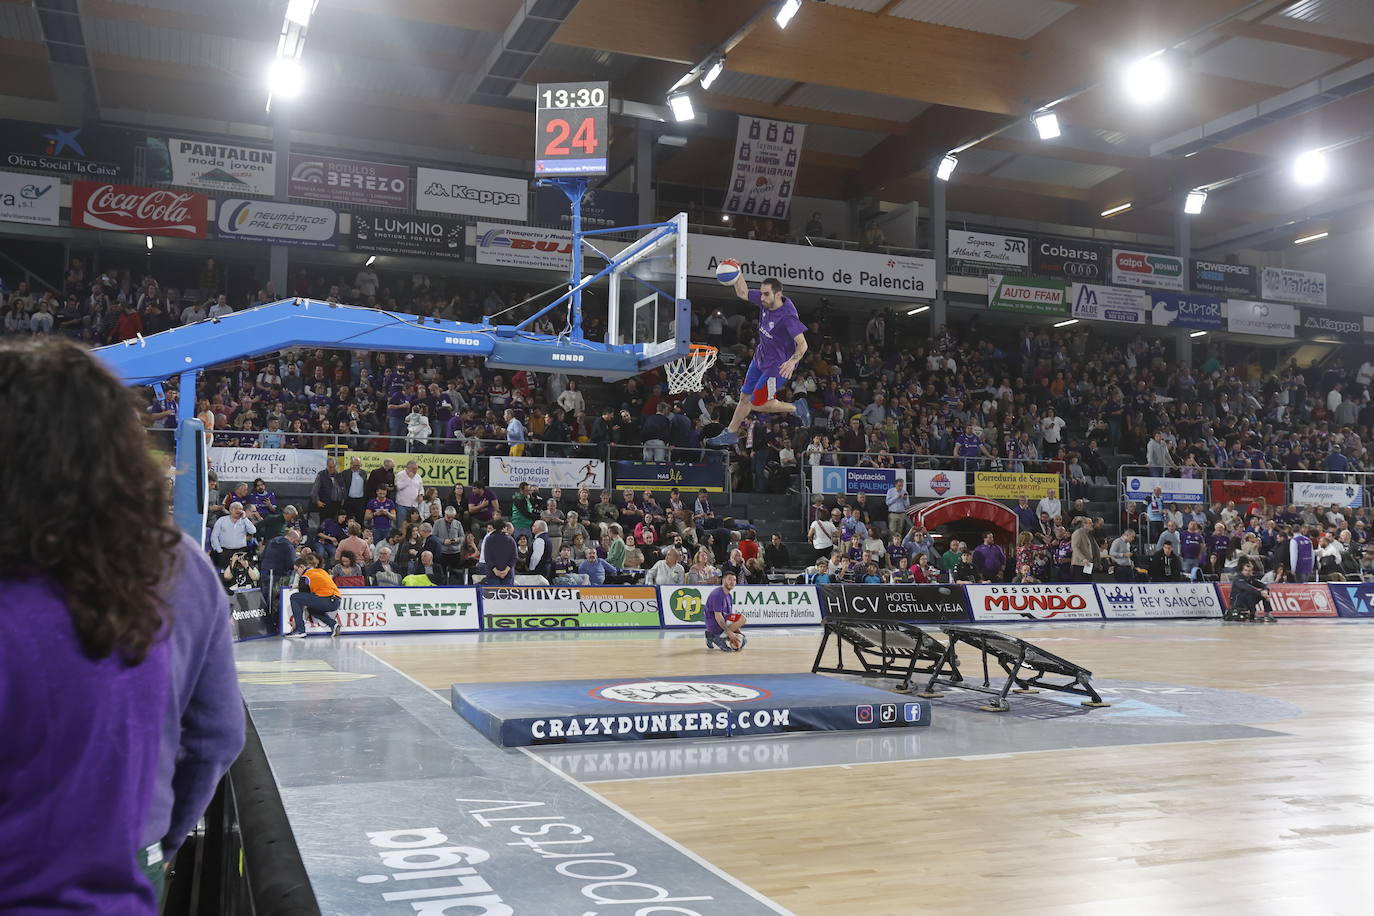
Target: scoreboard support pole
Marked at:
574, 188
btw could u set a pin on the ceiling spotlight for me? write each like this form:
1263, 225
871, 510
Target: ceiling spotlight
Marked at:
725, 217
1119, 208
681, 104
148, 240
1066, 322
1315, 237
1310, 167
1047, 123
1192, 204
371, 259
716, 68
1196, 334
285, 77
946, 167
918, 310
672, 140
786, 11
300, 11
1149, 80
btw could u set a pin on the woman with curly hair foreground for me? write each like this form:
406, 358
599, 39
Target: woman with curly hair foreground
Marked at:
118, 704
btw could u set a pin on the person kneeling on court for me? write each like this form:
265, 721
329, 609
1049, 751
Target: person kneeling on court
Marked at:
316, 593
724, 628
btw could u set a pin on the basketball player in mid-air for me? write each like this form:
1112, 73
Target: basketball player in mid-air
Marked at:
782, 343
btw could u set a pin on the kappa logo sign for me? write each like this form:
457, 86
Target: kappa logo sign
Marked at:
679, 693
151, 211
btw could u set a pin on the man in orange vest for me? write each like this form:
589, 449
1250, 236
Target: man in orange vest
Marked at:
316, 593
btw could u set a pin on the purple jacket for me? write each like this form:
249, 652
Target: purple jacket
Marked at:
989, 560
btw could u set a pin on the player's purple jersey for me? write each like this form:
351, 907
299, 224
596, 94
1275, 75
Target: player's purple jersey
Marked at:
718, 600
777, 334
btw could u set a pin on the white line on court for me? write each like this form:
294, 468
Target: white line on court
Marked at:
667, 840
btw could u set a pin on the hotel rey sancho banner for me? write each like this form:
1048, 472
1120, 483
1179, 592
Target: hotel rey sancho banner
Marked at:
767, 155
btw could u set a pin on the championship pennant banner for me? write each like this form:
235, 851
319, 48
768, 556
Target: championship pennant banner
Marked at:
767, 154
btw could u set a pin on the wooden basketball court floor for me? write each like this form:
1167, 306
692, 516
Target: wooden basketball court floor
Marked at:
1265, 808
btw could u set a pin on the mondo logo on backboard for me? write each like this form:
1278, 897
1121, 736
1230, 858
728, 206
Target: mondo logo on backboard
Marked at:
679, 693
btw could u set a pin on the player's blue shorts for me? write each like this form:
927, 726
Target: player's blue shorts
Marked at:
761, 388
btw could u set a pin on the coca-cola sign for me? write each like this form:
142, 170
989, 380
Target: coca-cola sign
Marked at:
147, 211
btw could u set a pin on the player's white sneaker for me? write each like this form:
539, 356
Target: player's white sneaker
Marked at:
296, 635
723, 438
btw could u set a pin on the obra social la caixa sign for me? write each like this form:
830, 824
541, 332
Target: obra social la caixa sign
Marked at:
147, 211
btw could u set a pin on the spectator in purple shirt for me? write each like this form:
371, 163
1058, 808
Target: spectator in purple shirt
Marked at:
989, 559
380, 514
261, 498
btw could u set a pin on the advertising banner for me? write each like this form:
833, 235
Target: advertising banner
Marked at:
438, 470
556, 608
248, 614
1144, 268
1109, 303
524, 246
211, 166
767, 154
547, 473
1070, 259
94, 152
1186, 311
979, 247
910, 603
1346, 495
1293, 600
279, 224
1140, 600
601, 209
274, 465
814, 267
874, 481
147, 211
1244, 492
1065, 601
1011, 485
29, 199
1285, 285
396, 610
938, 483
1172, 489
1267, 318
767, 605
662, 476
349, 181
1029, 295
1224, 279
471, 194
1343, 326
418, 236
1353, 600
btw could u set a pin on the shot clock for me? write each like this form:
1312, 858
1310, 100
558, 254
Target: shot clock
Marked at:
570, 127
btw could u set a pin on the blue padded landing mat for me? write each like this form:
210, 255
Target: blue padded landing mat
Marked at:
516, 714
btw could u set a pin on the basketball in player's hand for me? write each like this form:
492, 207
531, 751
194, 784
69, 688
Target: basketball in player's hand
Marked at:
727, 271
734, 640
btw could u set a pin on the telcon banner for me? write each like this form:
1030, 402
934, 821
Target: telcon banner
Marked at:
147, 211
777, 605
1303, 286
1069, 601
547, 473
523, 246
29, 199
1004, 250
1108, 303
349, 181
1267, 318
396, 610
1085, 262
471, 194
815, 268
1342, 326
274, 465
1347, 495
1225, 279
1144, 268
938, 483
1172, 489
220, 167
1158, 599
278, 223
873, 481
1185, 311
557, 608
1293, 600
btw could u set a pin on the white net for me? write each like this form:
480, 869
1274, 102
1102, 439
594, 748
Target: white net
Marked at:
688, 373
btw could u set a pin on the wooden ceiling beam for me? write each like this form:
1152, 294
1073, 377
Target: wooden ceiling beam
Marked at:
720, 102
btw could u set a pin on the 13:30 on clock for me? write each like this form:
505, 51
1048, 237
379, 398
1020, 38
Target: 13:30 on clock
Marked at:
585, 97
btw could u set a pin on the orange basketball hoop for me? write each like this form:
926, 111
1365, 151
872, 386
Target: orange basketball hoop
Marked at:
688, 373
